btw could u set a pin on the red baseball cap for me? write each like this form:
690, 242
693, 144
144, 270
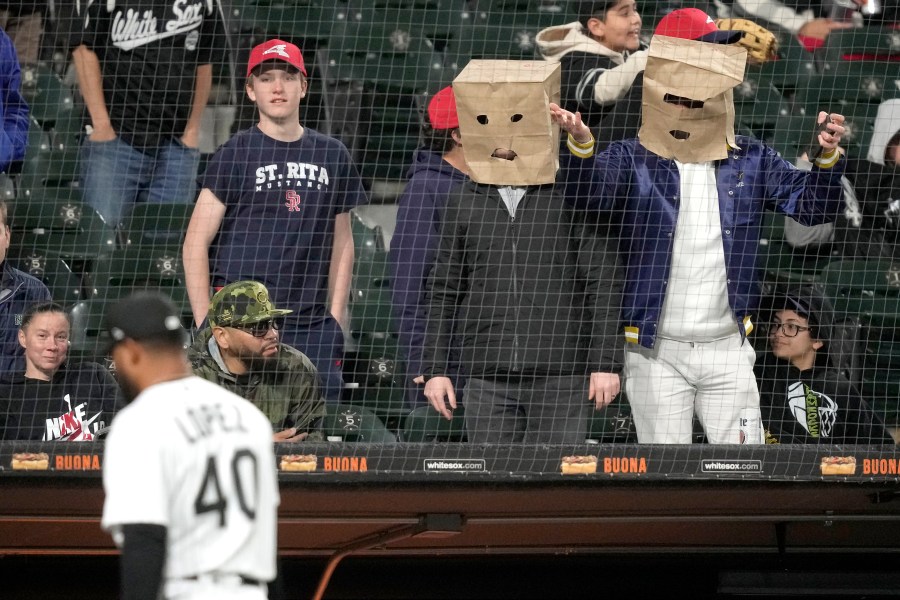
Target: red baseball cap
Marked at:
694, 24
442, 110
276, 50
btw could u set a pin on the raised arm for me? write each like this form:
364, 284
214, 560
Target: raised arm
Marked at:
810, 197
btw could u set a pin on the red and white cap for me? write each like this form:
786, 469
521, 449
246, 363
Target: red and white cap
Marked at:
276, 50
694, 24
442, 110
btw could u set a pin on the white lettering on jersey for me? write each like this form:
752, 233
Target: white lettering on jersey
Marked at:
208, 419
131, 29
185, 15
295, 174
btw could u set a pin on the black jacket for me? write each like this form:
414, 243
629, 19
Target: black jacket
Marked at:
76, 405
818, 405
532, 295
877, 189
18, 291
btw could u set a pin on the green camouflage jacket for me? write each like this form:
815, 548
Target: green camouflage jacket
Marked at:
289, 394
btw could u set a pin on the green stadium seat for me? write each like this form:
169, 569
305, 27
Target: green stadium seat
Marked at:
613, 424
88, 339
758, 105
859, 44
782, 264
392, 135
57, 220
425, 425
540, 12
38, 145
307, 23
388, 402
871, 291
792, 134
850, 82
151, 224
372, 370
373, 74
69, 129
367, 239
7, 188
353, 423
883, 396
45, 164
509, 36
52, 168
64, 282
46, 93
383, 56
883, 354
38, 139
370, 289
868, 288
882, 351
503, 29
438, 20
370, 295
126, 270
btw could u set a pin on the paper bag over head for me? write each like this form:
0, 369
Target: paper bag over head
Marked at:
507, 135
687, 105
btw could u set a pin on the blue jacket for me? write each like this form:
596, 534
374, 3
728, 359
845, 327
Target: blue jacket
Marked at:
18, 291
14, 135
642, 191
414, 246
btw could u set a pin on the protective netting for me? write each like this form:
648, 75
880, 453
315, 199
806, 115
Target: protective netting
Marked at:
101, 203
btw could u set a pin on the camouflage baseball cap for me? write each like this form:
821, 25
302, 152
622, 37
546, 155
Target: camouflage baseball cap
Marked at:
242, 303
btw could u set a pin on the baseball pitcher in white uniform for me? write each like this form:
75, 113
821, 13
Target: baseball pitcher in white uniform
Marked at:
189, 469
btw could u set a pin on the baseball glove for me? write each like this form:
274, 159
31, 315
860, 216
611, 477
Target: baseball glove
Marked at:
761, 44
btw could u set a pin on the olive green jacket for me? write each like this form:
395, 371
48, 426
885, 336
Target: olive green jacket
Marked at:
288, 394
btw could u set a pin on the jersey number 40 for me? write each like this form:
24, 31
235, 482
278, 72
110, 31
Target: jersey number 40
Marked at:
211, 498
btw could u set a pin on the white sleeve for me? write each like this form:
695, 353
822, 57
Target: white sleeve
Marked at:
612, 85
774, 12
134, 475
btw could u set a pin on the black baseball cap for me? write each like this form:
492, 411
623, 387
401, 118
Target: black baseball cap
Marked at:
807, 300
144, 316
798, 305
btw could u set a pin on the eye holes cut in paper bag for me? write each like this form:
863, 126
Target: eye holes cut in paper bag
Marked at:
504, 120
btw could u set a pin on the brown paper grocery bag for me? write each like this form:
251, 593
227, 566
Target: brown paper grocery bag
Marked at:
504, 120
697, 71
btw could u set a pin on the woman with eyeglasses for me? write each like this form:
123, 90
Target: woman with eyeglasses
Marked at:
804, 399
